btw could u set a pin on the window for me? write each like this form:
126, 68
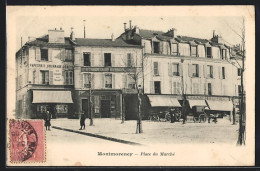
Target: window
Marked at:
209, 52
209, 89
69, 77
34, 77
155, 47
108, 81
195, 88
209, 71
239, 90
86, 58
195, 70
223, 53
239, 72
45, 77
156, 68
61, 108
193, 51
131, 81
175, 69
107, 57
129, 60
175, 49
68, 55
44, 54
42, 108
176, 88
223, 73
157, 87
87, 80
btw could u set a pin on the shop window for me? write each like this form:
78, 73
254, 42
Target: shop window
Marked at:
209, 71
156, 47
42, 109
68, 77
223, 73
44, 54
156, 68
193, 51
175, 69
209, 89
107, 57
195, 70
61, 108
108, 81
129, 60
86, 59
131, 81
68, 55
45, 77
157, 87
87, 80
209, 52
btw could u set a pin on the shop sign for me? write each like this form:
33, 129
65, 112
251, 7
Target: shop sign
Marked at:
129, 91
50, 66
57, 77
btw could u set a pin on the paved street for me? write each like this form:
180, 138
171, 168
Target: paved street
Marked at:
154, 132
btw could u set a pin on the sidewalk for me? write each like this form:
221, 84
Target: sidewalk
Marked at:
158, 132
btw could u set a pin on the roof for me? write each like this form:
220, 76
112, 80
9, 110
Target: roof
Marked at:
149, 33
44, 41
106, 42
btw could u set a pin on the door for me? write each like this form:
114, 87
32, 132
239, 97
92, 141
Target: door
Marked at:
85, 107
105, 109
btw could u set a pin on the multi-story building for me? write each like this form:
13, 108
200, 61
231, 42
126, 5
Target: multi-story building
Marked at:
44, 76
178, 66
104, 71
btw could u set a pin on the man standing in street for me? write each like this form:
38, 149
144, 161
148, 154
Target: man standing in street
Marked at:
82, 121
172, 114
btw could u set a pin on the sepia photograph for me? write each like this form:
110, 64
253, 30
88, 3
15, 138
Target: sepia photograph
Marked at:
130, 86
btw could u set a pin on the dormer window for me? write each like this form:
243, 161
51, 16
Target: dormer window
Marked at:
209, 52
193, 50
223, 54
155, 47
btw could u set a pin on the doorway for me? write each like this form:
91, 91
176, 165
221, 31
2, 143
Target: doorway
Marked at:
105, 109
85, 106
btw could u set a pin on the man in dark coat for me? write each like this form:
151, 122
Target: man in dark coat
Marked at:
172, 115
82, 121
47, 120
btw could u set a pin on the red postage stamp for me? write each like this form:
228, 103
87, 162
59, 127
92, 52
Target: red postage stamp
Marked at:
27, 141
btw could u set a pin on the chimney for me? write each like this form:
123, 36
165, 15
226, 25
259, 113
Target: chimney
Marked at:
125, 26
72, 35
172, 32
130, 26
213, 33
112, 37
137, 30
56, 36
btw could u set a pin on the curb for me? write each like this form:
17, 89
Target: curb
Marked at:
98, 136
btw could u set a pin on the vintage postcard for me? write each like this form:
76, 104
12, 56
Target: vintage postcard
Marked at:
130, 86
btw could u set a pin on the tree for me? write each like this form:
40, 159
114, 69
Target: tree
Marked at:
242, 116
90, 81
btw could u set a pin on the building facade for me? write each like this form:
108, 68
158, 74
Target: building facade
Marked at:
45, 76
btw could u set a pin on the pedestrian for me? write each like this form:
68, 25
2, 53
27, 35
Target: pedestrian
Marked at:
47, 120
172, 115
82, 121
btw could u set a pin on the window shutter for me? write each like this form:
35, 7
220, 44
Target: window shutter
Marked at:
170, 69
159, 68
219, 72
181, 69
161, 47
125, 80
49, 55
51, 77
37, 80
113, 59
152, 87
215, 72
81, 80
102, 56
113, 81
170, 86
200, 68
64, 77
63, 55
92, 80
190, 70
102, 81
38, 54
92, 59
205, 71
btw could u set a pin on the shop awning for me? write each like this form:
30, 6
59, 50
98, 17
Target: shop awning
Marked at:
220, 105
197, 103
51, 96
163, 101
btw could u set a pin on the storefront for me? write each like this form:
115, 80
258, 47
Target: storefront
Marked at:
197, 106
59, 103
219, 107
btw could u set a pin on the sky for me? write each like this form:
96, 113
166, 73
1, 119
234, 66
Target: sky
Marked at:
98, 25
